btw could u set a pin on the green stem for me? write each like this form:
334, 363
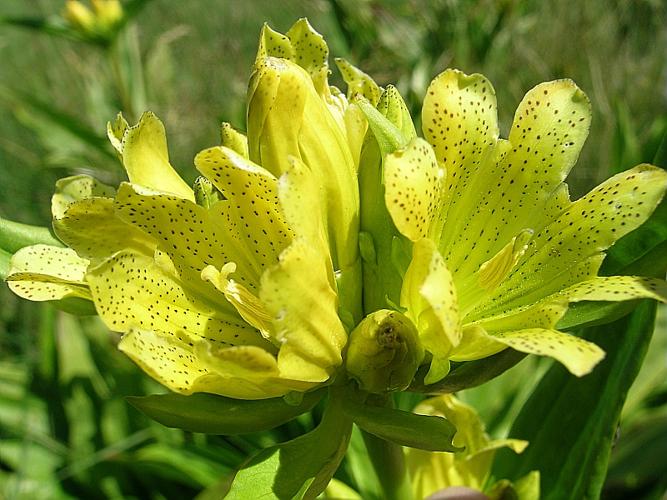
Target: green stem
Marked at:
389, 463
114, 55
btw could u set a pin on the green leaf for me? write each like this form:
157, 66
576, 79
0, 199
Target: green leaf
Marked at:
14, 236
213, 414
402, 427
300, 468
388, 135
571, 422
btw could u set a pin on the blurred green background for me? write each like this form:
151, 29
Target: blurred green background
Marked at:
65, 431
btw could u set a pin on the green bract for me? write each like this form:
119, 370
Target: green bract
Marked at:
333, 210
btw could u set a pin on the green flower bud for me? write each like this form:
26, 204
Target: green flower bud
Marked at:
384, 352
206, 193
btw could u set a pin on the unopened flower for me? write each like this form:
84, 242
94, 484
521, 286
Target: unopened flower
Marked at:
100, 21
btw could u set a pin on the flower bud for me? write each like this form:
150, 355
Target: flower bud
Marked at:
79, 16
108, 13
288, 119
384, 352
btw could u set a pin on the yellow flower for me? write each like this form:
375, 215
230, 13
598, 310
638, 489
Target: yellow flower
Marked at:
433, 471
499, 250
247, 285
237, 299
102, 20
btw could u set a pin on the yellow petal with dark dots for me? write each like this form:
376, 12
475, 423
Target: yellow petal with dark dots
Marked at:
187, 232
116, 131
413, 188
287, 118
131, 290
169, 358
234, 140
578, 355
77, 188
614, 288
146, 158
298, 294
310, 52
550, 127
429, 296
44, 272
248, 305
459, 118
250, 214
358, 82
273, 44
543, 314
91, 227
559, 255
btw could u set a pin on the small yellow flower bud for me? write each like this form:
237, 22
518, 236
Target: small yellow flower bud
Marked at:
384, 352
79, 16
107, 12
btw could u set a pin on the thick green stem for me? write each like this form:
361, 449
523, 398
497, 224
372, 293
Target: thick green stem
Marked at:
388, 461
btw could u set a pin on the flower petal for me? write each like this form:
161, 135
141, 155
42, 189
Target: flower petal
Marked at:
76, 188
579, 356
273, 44
153, 300
358, 82
298, 294
616, 288
431, 472
44, 272
146, 158
301, 195
251, 372
459, 119
413, 188
233, 139
568, 250
251, 214
188, 233
287, 118
429, 295
310, 52
248, 305
91, 227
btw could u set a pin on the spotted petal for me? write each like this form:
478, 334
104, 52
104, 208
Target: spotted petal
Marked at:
569, 249
76, 188
413, 188
44, 272
244, 372
250, 214
91, 227
132, 290
579, 356
187, 232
